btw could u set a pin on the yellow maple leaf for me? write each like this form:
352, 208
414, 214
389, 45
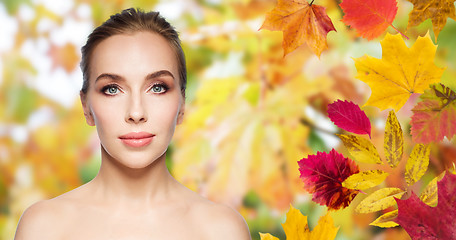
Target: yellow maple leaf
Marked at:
301, 23
267, 236
296, 227
437, 10
400, 72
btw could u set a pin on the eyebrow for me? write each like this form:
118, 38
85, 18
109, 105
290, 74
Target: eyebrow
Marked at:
159, 74
149, 76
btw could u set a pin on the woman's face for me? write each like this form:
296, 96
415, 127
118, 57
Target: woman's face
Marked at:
134, 97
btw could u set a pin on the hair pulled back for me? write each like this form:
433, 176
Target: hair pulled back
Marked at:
130, 21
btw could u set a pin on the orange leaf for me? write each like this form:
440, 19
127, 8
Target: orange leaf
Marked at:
301, 23
65, 56
437, 10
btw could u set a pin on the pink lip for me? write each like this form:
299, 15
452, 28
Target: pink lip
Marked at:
137, 139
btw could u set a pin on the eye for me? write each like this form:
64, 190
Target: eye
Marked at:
110, 90
159, 88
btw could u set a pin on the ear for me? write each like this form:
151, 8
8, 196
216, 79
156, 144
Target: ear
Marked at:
180, 116
87, 113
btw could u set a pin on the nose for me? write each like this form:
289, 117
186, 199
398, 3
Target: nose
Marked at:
136, 112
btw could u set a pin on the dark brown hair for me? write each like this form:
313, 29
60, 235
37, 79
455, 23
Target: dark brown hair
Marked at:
127, 22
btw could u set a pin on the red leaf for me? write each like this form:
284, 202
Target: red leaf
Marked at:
435, 116
323, 175
424, 222
349, 117
370, 18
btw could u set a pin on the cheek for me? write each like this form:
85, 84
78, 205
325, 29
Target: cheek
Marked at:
165, 114
105, 115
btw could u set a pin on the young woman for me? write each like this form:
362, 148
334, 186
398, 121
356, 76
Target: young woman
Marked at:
133, 92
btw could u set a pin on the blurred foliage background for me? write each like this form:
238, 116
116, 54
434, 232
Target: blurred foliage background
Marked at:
250, 116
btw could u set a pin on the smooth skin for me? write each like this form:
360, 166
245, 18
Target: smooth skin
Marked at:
134, 87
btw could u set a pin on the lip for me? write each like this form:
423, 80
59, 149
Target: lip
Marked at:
137, 139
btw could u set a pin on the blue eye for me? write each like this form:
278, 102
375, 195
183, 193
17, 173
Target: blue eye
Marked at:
110, 90
159, 88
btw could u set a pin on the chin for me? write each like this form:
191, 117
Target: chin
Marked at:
137, 164
136, 160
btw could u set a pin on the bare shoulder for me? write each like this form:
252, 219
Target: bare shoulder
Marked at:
44, 219
220, 221
39, 221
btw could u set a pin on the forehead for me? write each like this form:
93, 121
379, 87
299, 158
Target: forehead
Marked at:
133, 55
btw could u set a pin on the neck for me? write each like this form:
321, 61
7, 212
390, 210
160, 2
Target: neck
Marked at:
121, 185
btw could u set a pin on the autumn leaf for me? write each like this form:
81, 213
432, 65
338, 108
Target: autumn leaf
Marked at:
365, 180
348, 116
400, 72
296, 228
267, 236
386, 220
360, 148
325, 229
437, 10
393, 140
424, 222
301, 23
65, 56
379, 200
417, 163
447, 154
429, 194
370, 18
323, 175
435, 116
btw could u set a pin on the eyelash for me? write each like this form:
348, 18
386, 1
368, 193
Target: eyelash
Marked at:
105, 89
164, 87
